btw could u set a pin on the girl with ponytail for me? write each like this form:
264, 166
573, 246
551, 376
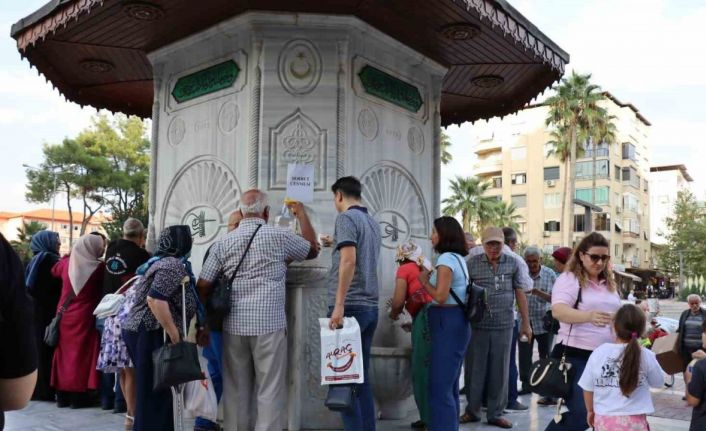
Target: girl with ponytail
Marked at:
618, 376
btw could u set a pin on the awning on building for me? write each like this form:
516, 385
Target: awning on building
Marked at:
95, 51
628, 275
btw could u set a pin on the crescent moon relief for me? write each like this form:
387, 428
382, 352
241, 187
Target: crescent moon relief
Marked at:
299, 67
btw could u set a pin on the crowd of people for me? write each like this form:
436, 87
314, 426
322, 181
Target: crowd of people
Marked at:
109, 361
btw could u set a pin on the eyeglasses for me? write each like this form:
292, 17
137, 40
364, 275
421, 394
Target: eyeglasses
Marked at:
598, 257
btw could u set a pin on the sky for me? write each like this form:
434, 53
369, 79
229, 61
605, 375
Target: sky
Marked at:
645, 52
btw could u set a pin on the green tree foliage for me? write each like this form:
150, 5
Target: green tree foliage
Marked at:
572, 110
687, 235
445, 146
478, 211
24, 238
105, 167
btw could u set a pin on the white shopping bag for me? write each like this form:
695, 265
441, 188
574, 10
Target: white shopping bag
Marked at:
341, 353
200, 397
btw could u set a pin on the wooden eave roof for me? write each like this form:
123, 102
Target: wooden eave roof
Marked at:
60, 38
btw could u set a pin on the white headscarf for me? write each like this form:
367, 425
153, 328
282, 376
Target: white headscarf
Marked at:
413, 252
84, 260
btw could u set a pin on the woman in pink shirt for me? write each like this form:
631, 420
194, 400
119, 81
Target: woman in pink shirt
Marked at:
584, 299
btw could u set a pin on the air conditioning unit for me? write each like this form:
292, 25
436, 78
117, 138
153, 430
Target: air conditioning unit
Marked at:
551, 183
547, 234
619, 210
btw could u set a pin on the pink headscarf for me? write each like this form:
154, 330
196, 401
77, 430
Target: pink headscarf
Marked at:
84, 260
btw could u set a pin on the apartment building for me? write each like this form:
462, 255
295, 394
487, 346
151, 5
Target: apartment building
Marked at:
10, 222
667, 181
514, 155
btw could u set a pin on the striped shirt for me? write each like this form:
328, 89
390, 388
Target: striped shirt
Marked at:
538, 307
499, 285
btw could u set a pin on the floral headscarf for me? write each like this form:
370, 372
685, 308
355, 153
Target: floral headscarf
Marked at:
413, 252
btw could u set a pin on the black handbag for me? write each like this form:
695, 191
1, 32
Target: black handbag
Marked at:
220, 298
175, 364
51, 332
551, 377
476, 303
549, 323
340, 397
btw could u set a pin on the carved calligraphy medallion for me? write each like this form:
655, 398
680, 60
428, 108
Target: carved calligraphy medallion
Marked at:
176, 131
415, 140
299, 67
368, 124
228, 117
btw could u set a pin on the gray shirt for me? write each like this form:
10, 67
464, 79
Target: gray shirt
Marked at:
356, 228
499, 285
692, 331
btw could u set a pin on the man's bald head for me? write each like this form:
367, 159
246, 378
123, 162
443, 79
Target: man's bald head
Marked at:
234, 220
253, 203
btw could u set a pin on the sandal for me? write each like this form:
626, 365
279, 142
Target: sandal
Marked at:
129, 422
468, 417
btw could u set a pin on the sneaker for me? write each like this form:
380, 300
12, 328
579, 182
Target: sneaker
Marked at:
517, 406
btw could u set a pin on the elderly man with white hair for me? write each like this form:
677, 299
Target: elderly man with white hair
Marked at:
254, 258
539, 301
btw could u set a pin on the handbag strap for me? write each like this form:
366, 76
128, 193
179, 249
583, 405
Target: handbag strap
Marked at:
184, 282
232, 277
575, 307
66, 303
127, 284
465, 274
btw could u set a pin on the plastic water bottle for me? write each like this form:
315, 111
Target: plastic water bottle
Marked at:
524, 338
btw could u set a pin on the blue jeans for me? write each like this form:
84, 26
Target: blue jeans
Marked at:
512, 375
214, 354
450, 335
362, 416
575, 418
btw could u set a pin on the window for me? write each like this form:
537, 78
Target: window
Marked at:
601, 150
584, 170
631, 225
630, 202
65, 226
617, 172
646, 188
602, 222
551, 173
519, 178
629, 151
497, 182
579, 223
519, 153
552, 200
548, 150
602, 195
520, 201
630, 176
552, 226
616, 255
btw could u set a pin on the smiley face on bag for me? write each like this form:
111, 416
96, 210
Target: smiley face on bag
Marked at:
340, 359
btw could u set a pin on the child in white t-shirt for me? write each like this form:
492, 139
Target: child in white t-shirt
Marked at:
617, 379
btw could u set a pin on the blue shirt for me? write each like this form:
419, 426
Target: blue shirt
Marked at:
457, 265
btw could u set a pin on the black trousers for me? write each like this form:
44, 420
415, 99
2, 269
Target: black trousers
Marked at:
544, 344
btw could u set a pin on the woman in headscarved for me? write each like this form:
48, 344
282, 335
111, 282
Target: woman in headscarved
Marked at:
157, 310
74, 373
45, 289
410, 294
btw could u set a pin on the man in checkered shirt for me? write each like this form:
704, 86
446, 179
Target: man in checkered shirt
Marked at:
254, 337
499, 274
539, 301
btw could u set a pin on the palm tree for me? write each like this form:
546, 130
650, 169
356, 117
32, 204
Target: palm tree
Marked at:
602, 131
467, 198
24, 238
445, 144
570, 110
505, 215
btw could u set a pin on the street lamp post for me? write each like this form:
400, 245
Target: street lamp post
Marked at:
53, 199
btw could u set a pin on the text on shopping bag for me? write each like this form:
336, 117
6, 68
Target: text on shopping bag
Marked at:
341, 353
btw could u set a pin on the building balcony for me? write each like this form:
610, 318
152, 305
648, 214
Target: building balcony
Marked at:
488, 167
488, 146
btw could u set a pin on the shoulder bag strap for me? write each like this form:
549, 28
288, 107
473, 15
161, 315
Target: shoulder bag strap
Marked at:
247, 248
66, 303
575, 307
127, 284
465, 274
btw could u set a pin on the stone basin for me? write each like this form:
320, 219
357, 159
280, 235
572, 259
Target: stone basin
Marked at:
391, 380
